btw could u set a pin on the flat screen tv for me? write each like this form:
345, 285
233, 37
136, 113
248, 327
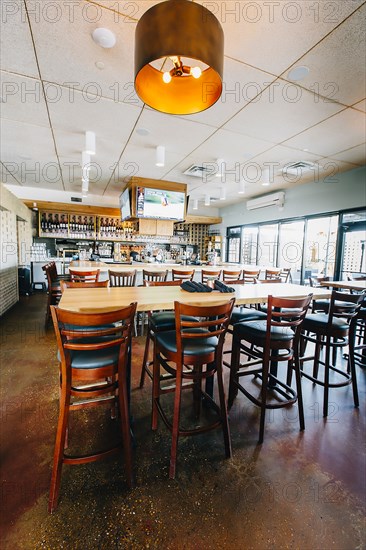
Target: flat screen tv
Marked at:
160, 203
125, 205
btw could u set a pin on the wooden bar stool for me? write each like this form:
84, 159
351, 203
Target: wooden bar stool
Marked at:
158, 321
228, 276
181, 275
250, 276
93, 355
122, 278
183, 354
91, 276
210, 275
273, 340
333, 330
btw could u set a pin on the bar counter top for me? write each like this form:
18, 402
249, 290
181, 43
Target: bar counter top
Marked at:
86, 265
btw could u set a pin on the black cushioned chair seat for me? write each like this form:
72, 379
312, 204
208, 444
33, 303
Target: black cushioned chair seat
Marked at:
318, 322
247, 314
93, 359
256, 330
202, 346
166, 321
78, 328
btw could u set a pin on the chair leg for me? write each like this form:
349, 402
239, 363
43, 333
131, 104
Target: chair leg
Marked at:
300, 403
264, 389
318, 346
176, 419
145, 359
326, 376
351, 363
223, 410
126, 432
155, 391
197, 392
234, 367
59, 449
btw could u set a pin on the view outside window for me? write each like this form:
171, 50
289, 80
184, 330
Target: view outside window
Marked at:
267, 245
233, 245
249, 251
290, 248
320, 247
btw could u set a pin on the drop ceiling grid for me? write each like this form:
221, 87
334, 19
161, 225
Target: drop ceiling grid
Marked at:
218, 118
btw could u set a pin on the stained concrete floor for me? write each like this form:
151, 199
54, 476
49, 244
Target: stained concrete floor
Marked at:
298, 490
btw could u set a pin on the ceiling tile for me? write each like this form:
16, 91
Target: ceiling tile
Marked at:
23, 99
271, 36
339, 77
73, 60
17, 53
282, 111
361, 105
342, 131
355, 155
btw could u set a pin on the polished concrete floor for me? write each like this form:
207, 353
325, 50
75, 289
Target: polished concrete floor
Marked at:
298, 490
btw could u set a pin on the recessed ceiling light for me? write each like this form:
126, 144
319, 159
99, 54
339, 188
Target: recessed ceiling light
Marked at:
298, 73
265, 183
143, 131
305, 149
100, 65
104, 37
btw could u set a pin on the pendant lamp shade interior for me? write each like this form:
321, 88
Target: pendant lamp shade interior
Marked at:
179, 56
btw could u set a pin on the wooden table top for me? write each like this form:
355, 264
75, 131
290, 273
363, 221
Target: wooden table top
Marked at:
349, 285
163, 298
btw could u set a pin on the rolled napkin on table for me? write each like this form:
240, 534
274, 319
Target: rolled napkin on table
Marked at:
192, 286
218, 285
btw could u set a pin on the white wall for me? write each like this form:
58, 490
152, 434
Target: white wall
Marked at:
15, 243
348, 190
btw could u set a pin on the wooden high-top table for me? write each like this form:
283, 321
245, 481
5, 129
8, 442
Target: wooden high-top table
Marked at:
347, 285
163, 298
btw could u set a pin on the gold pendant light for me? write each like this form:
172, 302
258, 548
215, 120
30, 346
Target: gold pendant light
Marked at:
179, 57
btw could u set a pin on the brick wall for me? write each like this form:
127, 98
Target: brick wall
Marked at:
15, 243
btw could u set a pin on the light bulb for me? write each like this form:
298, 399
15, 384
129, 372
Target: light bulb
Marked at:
196, 72
90, 143
195, 204
160, 156
167, 77
242, 188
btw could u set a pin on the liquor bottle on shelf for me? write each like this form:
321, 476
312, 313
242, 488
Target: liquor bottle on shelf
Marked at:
43, 223
50, 224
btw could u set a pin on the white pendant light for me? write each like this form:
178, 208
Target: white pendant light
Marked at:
85, 165
207, 200
220, 167
223, 194
85, 185
195, 204
241, 187
160, 156
90, 143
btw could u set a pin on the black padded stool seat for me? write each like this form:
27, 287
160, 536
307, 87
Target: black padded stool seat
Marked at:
256, 331
241, 315
165, 320
168, 341
319, 322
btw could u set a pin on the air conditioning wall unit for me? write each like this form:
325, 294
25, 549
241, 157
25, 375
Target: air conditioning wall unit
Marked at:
274, 199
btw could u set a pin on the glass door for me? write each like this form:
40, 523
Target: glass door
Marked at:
291, 244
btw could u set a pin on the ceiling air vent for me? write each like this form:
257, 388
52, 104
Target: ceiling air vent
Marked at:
76, 199
200, 171
299, 167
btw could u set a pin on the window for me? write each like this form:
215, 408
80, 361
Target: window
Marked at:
320, 247
291, 240
267, 245
250, 240
233, 244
